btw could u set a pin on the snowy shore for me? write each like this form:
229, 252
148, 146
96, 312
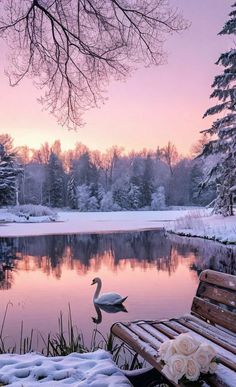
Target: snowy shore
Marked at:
187, 222
74, 370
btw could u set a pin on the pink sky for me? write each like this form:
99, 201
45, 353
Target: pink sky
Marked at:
153, 106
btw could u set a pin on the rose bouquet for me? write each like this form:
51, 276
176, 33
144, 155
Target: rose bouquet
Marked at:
186, 357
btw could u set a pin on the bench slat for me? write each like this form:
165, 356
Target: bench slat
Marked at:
229, 337
145, 336
217, 294
220, 279
214, 313
154, 332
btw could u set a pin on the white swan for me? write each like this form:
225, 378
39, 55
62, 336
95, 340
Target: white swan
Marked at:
106, 298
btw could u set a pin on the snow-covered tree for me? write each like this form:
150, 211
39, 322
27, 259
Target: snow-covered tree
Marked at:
134, 196
224, 128
147, 187
86, 201
107, 203
158, 199
9, 170
120, 191
54, 187
71, 193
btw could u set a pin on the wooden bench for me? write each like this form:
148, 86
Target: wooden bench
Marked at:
212, 319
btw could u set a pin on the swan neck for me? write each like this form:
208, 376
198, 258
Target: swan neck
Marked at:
99, 285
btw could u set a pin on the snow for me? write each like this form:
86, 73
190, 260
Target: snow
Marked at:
89, 369
89, 222
189, 222
203, 224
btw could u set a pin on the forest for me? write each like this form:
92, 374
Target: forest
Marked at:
89, 180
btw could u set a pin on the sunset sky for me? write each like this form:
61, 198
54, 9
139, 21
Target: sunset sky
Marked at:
153, 106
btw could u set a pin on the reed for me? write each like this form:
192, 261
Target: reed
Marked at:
68, 339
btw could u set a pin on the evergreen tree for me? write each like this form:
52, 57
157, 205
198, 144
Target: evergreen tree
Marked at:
134, 196
224, 128
54, 188
9, 170
71, 193
147, 182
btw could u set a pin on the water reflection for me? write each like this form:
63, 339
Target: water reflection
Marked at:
108, 309
148, 249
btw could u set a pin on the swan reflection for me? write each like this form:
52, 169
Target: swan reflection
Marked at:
108, 309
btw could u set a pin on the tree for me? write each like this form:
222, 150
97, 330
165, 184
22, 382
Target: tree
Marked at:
54, 186
147, 188
223, 147
9, 171
86, 202
170, 155
158, 199
74, 47
71, 193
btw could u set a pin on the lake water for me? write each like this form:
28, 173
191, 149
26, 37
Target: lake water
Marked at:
40, 276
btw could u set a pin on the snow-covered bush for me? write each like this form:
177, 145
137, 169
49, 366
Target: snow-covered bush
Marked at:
83, 196
93, 204
32, 210
158, 199
107, 203
191, 221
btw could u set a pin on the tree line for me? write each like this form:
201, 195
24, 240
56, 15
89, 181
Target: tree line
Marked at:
89, 180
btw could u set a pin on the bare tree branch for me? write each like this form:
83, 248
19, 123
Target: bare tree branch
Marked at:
72, 48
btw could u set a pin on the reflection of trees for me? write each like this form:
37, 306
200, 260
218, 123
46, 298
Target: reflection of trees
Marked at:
117, 251
6, 279
8, 248
208, 254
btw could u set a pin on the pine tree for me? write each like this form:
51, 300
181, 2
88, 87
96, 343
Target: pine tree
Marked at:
54, 188
224, 128
134, 196
146, 188
9, 170
71, 193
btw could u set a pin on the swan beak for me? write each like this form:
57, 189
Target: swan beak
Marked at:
92, 283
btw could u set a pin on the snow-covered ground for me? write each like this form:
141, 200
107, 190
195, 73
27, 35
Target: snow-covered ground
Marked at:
202, 224
75, 370
185, 222
89, 222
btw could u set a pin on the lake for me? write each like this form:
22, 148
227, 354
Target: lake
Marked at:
40, 276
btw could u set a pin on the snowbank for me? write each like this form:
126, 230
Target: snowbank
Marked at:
88, 369
202, 224
91, 222
187, 222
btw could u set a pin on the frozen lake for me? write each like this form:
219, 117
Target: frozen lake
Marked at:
41, 275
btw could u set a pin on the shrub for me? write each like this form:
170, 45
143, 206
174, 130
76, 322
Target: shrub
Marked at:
32, 210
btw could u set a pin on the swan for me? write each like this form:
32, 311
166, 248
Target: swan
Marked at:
106, 298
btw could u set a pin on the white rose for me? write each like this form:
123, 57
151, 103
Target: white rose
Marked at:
175, 368
166, 350
193, 369
213, 367
185, 344
209, 350
202, 358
